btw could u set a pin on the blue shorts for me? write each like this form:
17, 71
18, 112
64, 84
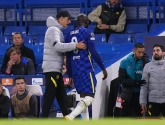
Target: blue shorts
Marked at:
85, 83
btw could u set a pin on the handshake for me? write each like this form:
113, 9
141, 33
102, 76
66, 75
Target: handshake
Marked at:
141, 82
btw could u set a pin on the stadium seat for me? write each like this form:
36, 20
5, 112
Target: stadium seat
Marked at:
155, 26
10, 30
120, 38
68, 29
36, 90
39, 40
0, 30
95, 3
4, 40
37, 30
139, 37
27, 40
136, 28
100, 38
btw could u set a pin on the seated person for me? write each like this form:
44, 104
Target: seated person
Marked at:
4, 104
110, 18
24, 104
25, 51
18, 65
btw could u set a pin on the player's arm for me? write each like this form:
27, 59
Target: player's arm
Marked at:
64, 47
96, 57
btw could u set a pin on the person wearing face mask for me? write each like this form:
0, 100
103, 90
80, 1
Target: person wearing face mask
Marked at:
130, 74
152, 94
110, 18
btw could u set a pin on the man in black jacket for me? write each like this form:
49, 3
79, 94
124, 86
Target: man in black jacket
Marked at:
4, 104
110, 18
25, 51
130, 74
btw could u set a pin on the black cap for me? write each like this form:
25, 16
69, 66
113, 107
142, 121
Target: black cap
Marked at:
64, 14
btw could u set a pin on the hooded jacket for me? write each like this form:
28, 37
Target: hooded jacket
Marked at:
154, 89
54, 47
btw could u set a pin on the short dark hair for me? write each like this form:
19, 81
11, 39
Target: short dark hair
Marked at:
138, 45
161, 47
0, 83
18, 33
18, 51
19, 77
82, 20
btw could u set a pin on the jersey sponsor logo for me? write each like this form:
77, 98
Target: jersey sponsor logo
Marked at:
76, 57
139, 72
37, 81
7, 81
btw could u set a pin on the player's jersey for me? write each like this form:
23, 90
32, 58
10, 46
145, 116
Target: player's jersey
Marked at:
81, 62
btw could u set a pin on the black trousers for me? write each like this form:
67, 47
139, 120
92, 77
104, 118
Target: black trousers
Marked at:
131, 108
54, 88
154, 109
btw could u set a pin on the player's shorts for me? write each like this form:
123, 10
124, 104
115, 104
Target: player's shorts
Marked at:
85, 83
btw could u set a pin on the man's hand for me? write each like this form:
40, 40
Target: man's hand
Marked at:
81, 45
144, 107
11, 63
105, 74
100, 22
103, 26
141, 82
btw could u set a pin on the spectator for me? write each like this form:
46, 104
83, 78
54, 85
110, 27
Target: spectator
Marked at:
25, 51
4, 103
18, 65
130, 74
53, 59
110, 18
154, 91
24, 104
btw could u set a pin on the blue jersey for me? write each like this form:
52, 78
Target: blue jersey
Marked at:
79, 61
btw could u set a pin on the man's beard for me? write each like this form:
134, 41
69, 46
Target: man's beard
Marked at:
157, 57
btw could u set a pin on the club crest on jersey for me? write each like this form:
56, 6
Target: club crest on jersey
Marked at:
92, 36
75, 51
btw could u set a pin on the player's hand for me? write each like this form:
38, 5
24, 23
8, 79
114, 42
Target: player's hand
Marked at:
105, 74
81, 45
144, 107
